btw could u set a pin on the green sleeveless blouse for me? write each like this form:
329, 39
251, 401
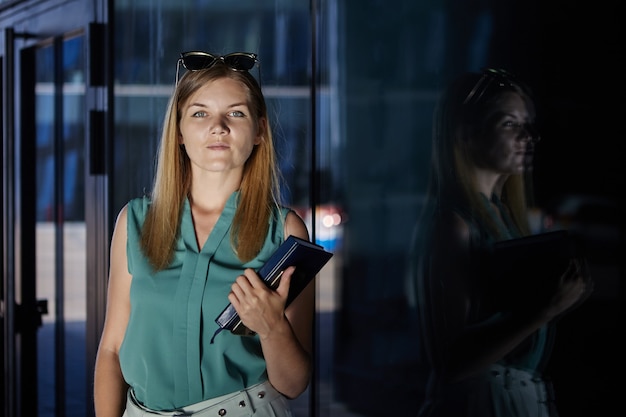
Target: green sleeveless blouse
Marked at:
166, 356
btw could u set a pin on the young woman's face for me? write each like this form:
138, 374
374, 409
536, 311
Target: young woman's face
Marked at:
217, 127
504, 145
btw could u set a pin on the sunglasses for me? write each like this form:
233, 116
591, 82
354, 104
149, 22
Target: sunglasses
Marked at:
198, 60
491, 77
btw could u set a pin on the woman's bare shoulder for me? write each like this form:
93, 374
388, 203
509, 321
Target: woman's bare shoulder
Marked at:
294, 225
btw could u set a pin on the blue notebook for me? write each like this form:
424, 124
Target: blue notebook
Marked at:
307, 257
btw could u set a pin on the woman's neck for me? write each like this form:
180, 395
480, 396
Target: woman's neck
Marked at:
487, 182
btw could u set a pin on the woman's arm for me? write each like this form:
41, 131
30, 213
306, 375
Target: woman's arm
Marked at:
467, 348
286, 335
109, 385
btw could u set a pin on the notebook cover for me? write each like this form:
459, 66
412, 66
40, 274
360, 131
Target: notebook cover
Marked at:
525, 270
307, 257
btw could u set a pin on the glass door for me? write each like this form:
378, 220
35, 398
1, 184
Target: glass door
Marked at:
48, 184
60, 228
55, 212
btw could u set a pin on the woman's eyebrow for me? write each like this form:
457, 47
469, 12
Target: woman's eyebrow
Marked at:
237, 104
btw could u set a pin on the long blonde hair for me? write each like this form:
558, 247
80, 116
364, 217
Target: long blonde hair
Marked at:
259, 191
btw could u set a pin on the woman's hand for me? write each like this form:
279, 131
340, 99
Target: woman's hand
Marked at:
574, 286
260, 308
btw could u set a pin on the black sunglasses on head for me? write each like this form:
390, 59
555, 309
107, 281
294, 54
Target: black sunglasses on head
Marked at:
198, 60
491, 77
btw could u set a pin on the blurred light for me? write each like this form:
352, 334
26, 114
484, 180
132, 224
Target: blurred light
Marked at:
330, 220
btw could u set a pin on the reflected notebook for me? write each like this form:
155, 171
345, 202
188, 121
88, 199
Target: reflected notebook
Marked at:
525, 270
307, 257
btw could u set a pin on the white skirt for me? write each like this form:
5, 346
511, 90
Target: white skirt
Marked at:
498, 392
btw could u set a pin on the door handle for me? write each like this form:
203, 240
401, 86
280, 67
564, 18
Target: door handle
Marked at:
41, 308
30, 316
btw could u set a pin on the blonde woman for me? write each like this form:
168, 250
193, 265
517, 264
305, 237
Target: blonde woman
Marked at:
484, 350
180, 254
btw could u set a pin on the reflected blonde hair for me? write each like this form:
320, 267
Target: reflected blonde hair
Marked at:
259, 191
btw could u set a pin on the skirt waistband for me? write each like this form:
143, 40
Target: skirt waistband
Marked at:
511, 376
238, 404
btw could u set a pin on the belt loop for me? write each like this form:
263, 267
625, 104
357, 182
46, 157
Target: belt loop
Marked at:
246, 402
508, 379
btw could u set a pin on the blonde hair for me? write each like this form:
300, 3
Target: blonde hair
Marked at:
259, 191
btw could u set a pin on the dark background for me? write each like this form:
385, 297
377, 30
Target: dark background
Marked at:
398, 56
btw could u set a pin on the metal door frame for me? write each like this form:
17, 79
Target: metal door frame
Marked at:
53, 19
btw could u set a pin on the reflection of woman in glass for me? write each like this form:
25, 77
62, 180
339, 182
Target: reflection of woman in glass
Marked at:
484, 354
179, 255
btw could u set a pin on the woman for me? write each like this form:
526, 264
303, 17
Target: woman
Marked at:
484, 352
179, 255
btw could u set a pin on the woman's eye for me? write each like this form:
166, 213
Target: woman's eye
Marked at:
199, 114
236, 113
510, 123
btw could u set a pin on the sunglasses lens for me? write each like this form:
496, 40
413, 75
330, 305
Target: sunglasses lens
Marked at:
197, 62
491, 78
240, 62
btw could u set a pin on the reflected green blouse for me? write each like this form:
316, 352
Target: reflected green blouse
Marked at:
166, 356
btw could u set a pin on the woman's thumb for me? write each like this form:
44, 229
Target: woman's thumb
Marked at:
285, 281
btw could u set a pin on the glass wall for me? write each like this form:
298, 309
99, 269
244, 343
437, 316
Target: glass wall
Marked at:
352, 85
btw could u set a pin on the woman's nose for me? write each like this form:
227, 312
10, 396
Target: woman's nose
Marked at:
531, 133
528, 133
218, 126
